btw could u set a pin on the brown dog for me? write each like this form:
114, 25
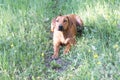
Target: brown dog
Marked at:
64, 30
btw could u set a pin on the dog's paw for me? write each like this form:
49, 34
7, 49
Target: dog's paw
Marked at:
54, 56
66, 52
67, 41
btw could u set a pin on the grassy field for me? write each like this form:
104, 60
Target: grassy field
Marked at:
26, 43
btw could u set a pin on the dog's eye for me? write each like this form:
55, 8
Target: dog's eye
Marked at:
65, 20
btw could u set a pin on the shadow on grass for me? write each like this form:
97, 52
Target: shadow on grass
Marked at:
58, 65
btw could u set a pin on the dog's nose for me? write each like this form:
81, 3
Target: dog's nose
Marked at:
60, 28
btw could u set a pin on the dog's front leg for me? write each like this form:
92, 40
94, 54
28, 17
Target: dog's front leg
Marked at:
67, 48
56, 50
69, 42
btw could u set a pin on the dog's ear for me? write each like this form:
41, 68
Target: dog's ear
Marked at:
53, 24
70, 21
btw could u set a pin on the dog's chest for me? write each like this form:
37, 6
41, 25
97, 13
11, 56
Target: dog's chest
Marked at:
60, 37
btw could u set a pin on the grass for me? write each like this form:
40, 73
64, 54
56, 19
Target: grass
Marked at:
26, 46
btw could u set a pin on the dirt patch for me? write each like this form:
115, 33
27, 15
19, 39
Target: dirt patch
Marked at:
58, 65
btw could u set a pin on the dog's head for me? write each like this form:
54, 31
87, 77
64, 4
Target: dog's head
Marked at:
60, 23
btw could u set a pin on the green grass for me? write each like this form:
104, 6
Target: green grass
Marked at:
25, 42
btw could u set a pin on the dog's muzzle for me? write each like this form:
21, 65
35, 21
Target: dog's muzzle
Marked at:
60, 28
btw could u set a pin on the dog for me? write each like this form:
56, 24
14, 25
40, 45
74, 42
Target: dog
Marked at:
64, 28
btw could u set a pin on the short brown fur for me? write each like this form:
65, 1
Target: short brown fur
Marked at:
64, 30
